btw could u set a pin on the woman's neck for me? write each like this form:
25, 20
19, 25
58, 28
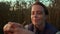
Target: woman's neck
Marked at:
41, 27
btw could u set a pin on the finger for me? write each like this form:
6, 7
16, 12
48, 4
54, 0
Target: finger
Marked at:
14, 24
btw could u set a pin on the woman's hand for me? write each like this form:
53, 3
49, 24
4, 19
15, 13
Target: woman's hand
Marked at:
15, 28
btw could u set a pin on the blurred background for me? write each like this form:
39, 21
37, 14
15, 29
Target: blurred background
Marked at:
19, 11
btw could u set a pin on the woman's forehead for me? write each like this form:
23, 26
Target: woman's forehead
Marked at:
37, 8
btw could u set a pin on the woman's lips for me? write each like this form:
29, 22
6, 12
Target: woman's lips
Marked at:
36, 20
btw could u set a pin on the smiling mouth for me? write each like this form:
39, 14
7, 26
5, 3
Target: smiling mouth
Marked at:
37, 19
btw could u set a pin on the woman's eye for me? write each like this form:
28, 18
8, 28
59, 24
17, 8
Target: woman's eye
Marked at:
32, 12
39, 12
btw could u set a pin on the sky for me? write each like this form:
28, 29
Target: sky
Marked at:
45, 2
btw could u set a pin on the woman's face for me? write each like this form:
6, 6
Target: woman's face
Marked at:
37, 14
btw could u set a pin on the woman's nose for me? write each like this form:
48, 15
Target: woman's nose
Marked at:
35, 16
